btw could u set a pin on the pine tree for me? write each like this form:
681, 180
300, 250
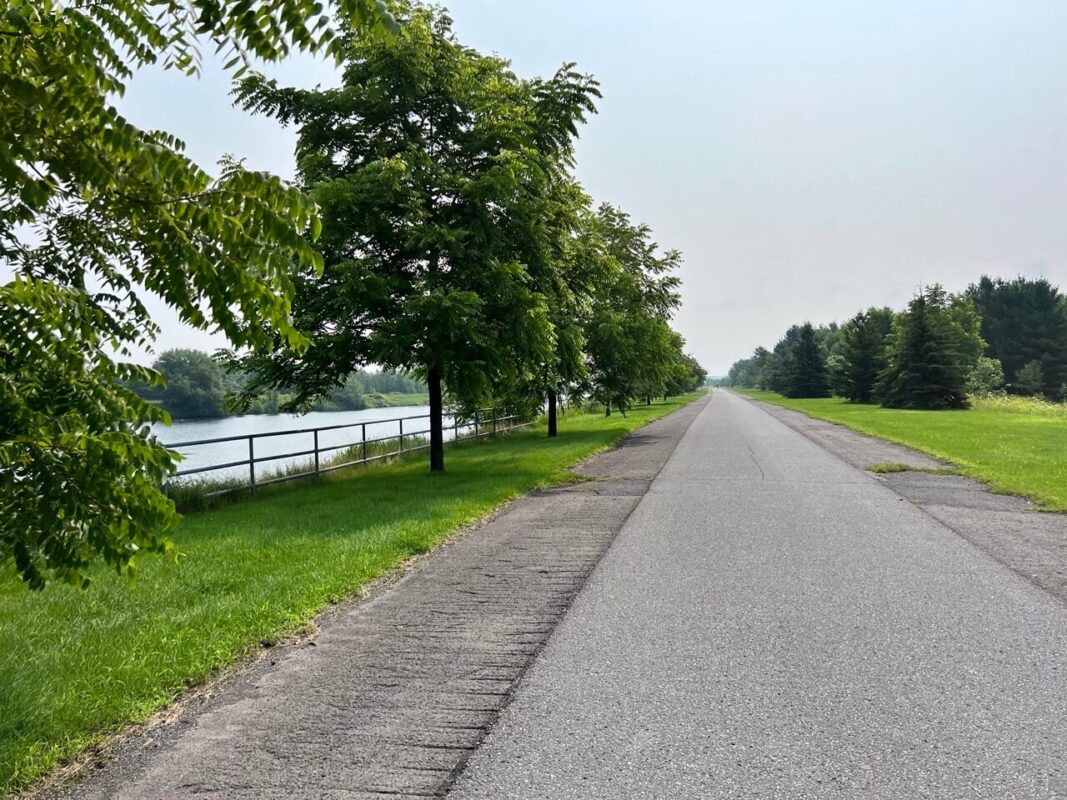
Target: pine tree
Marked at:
808, 376
924, 369
1024, 320
863, 352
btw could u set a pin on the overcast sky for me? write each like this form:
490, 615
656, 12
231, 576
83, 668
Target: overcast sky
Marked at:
808, 158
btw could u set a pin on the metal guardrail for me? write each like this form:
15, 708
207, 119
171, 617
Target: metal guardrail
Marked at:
475, 427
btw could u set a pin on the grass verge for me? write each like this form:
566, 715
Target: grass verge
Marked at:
77, 665
1017, 447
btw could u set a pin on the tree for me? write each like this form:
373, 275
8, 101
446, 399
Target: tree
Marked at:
564, 263
1024, 320
687, 377
779, 369
1030, 379
986, 378
630, 347
194, 385
95, 213
863, 353
434, 167
924, 368
807, 376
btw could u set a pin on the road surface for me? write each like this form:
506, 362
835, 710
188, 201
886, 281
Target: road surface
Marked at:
772, 622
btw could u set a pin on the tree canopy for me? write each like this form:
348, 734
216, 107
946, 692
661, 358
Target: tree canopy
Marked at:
1024, 321
435, 229
95, 214
863, 352
807, 372
436, 169
933, 355
923, 364
631, 349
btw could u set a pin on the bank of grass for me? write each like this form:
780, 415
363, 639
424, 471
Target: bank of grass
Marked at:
396, 399
76, 665
1016, 445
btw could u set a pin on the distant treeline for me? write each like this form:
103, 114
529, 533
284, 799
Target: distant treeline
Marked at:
198, 387
997, 336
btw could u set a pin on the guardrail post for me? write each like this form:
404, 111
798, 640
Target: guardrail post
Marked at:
316, 451
363, 437
400, 449
475, 423
252, 464
495, 415
455, 427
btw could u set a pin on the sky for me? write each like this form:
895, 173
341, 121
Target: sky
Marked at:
808, 158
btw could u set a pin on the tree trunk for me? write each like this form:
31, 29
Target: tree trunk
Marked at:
552, 412
607, 409
437, 435
648, 400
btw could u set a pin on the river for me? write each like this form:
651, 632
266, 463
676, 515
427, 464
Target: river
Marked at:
379, 423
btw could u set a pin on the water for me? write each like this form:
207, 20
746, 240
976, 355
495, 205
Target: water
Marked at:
380, 423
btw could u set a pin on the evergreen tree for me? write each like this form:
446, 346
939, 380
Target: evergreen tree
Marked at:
863, 353
924, 369
779, 370
1024, 320
807, 376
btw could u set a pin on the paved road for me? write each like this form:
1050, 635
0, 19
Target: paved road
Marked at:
774, 623
398, 690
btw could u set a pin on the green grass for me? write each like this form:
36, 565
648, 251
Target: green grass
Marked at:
76, 665
391, 399
892, 466
1016, 445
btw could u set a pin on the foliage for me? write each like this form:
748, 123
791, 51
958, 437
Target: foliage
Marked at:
193, 384
923, 364
751, 372
631, 349
688, 376
77, 665
780, 365
79, 476
434, 167
1024, 320
986, 378
1029, 380
863, 353
807, 370
96, 213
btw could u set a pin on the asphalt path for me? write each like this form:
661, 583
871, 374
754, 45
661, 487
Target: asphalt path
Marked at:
773, 622
396, 690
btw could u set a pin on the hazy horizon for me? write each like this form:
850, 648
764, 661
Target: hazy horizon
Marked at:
808, 161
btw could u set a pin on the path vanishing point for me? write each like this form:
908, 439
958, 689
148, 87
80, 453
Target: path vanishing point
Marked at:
727, 610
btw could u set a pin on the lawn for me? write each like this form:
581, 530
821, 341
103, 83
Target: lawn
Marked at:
1015, 445
76, 665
